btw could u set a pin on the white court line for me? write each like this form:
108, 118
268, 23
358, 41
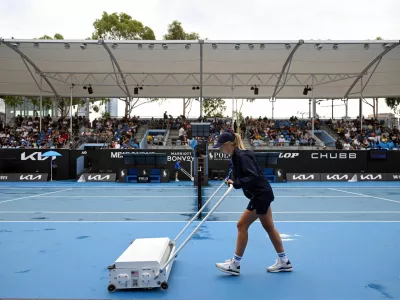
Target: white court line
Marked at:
32, 196
192, 212
185, 196
367, 196
130, 221
139, 187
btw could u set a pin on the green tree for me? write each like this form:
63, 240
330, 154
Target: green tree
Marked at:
13, 101
393, 103
176, 32
57, 36
214, 108
121, 27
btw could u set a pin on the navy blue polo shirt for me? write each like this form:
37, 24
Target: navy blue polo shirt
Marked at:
247, 172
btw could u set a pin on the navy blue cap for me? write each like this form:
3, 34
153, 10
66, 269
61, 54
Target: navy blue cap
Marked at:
224, 138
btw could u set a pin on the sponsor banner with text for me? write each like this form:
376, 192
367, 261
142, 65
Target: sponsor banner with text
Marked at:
303, 177
392, 176
30, 177
336, 176
371, 177
342, 176
7, 177
100, 177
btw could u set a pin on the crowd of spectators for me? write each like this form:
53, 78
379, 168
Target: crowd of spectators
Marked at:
121, 133
217, 126
260, 132
267, 132
371, 135
117, 133
26, 133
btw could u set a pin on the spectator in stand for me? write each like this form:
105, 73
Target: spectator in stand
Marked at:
149, 139
378, 133
346, 145
339, 145
182, 134
281, 141
134, 144
243, 129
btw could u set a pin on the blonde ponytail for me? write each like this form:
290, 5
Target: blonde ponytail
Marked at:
238, 142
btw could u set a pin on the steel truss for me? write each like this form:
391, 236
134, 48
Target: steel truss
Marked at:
193, 79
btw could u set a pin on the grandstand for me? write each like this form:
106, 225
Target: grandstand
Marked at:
145, 133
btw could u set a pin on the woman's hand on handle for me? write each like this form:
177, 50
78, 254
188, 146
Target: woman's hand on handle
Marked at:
228, 182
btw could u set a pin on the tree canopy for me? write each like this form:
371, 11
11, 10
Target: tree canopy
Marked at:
393, 103
57, 36
214, 108
176, 32
121, 27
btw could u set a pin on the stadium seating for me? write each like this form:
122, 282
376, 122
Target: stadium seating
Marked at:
269, 174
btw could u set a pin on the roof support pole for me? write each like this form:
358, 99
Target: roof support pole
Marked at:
233, 102
285, 65
37, 69
114, 60
201, 42
314, 108
361, 104
70, 110
40, 107
363, 72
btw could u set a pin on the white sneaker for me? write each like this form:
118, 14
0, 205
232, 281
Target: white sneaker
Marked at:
176, 180
280, 266
229, 267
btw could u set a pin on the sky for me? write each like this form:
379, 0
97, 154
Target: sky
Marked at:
217, 20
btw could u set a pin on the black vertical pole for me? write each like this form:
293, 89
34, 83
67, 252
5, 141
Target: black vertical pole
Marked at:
201, 42
199, 196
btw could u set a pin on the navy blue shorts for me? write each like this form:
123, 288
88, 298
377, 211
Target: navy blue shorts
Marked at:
261, 202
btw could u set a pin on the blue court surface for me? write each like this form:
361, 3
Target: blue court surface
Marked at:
343, 239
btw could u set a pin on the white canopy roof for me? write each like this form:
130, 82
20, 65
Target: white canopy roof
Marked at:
172, 69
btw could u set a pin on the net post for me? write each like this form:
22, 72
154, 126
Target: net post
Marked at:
199, 194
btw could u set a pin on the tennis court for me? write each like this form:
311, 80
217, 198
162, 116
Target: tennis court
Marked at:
57, 239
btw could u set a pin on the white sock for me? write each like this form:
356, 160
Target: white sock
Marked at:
237, 259
282, 256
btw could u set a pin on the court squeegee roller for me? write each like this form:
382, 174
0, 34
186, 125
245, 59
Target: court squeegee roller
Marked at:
147, 262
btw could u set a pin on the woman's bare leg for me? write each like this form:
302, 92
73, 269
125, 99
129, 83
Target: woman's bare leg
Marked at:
282, 264
268, 224
247, 218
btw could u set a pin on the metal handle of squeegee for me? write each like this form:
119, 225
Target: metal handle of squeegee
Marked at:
186, 173
194, 231
199, 212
